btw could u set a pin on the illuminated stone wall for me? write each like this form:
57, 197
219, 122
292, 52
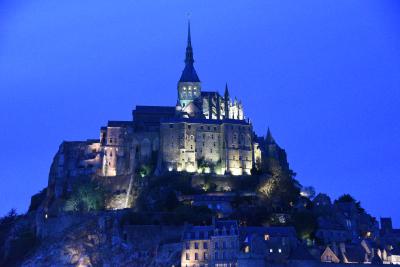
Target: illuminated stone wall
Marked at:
195, 252
123, 149
225, 145
115, 150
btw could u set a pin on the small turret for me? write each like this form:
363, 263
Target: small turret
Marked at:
226, 101
269, 139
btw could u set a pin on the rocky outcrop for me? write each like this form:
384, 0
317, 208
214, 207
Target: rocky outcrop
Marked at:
98, 239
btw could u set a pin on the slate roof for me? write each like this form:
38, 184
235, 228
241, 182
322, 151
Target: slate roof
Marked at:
189, 74
355, 254
272, 231
204, 121
155, 109
119, 123
227, 224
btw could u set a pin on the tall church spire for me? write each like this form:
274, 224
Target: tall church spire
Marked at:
189, 50
189, 73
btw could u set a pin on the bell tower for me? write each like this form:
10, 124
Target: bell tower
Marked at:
189, 85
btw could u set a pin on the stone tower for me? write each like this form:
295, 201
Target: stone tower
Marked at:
189, 86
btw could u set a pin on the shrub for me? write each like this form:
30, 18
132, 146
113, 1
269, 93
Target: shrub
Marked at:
86, 196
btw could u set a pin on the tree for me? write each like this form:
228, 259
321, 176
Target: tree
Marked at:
279, 191
305, 224
86, 196
347, 198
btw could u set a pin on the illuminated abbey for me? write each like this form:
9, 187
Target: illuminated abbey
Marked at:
205, 132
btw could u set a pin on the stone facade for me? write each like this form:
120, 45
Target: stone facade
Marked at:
222, 146
213, 245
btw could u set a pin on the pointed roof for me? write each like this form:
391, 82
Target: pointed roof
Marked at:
226, 94
189, 73
269, 139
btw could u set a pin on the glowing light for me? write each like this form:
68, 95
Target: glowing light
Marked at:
170, 169
220, 171
207, 170
236, 171
179, 169
190, 168
46, 216
303, 194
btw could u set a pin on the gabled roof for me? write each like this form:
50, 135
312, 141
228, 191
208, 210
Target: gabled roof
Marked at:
330, 252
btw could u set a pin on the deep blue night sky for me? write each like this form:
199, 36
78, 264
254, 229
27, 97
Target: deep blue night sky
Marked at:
323, 75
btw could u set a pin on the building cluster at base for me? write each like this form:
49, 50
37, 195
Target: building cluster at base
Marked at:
224, 243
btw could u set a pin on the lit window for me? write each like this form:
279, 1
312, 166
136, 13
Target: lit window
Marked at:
266, 237
247, 249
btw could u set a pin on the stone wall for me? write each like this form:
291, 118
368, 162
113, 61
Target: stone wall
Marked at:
226, 145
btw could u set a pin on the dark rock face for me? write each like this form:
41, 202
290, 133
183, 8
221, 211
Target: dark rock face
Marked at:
98, 239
